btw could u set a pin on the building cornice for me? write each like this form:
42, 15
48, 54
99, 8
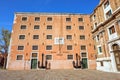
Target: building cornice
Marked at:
47, 13
108, 20
97, 7
114, 40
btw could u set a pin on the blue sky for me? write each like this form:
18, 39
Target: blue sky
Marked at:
9, 7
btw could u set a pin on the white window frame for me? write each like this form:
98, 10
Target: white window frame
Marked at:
22, 17
49, 54
49, 17
35, 35
50, 49
22, 57
35, 45
49, 35
99, 50
82, 37
72, 55
70, 19
71, 49
68, 38
85, 47
59, 40
84, 52
83, 28
114, 35
23, 25
21, 35
106, 10
36, 25
47, 27
68, 28
82, 19
20, 45
37, 17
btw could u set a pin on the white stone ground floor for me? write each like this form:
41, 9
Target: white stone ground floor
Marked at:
107, 64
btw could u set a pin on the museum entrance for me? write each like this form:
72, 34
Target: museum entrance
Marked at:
34, 61
117, 55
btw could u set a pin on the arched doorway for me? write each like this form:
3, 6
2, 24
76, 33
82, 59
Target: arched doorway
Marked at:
116, 51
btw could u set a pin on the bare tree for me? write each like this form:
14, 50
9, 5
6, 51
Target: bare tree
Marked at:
4, 43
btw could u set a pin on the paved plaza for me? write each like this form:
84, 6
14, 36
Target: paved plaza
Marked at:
57, 75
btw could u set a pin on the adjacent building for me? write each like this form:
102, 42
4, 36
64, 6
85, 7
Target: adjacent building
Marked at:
58, 36
105, 22
3, 59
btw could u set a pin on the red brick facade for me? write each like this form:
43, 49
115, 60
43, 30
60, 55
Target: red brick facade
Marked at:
58, 36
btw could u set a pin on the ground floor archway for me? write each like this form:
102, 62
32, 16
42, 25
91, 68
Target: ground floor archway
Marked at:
116, 52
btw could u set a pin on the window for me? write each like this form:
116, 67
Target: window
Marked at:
83, 47
81, 27
80, 19
49, 27
34, 55
84, 54
91, 27
23, 27
49, 47
21, 36
108, 14
69, 47
99, 49
95, 25
70, 57
98, 37
94, 17
35, 47
19, 57
68, 19
37, 18
24, 18
101, 63
49, 19
112, 30
35, 36
118, 22
36, 27
82, 37
68, 27
106, 4
20, 47
59, 40
94, 47
48, 57
49, 36
69, 37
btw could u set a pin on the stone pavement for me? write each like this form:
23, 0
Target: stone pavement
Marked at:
57, 75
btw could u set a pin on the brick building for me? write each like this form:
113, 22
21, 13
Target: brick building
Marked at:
60, 37
106, 33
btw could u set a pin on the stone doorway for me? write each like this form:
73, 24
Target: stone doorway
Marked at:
116, 51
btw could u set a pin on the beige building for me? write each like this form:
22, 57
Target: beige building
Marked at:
56, 38
106, 33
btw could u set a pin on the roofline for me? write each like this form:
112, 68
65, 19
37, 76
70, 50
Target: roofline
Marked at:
97, 7
49, 13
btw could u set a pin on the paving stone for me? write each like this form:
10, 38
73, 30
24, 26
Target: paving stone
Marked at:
57, 75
